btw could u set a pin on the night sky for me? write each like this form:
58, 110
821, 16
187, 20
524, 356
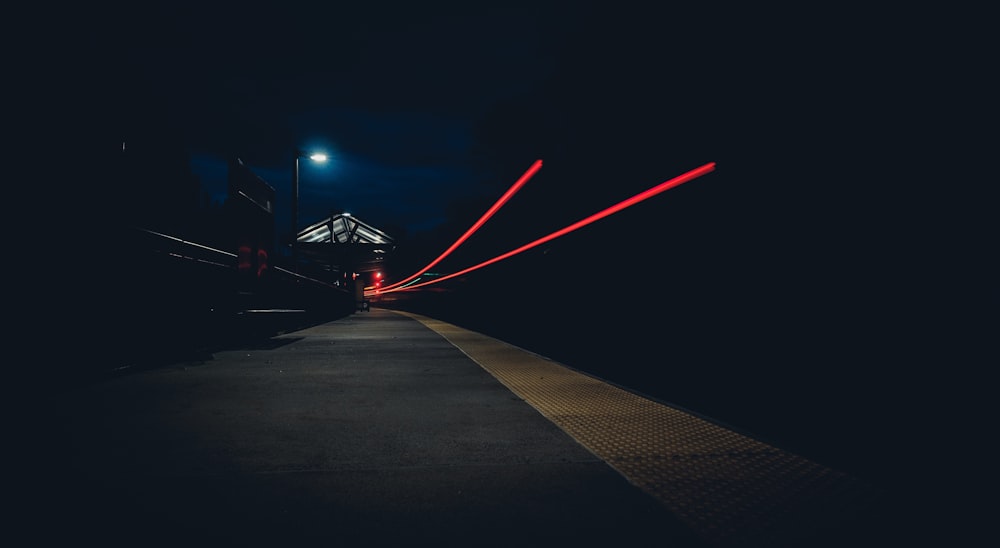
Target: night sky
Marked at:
421, 105
424, 105
841, 134
849, 211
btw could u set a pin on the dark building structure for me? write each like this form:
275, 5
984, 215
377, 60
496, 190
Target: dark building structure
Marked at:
250, 227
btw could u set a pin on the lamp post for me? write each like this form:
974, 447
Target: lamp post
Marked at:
316, 157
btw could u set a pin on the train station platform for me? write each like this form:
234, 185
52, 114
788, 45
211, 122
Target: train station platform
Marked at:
390, 428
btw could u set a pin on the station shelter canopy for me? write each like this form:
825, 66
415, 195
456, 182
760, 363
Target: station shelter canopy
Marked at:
344, 242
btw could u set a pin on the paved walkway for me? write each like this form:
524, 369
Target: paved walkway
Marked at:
389, 428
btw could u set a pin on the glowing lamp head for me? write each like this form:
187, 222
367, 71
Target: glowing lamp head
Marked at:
318, 157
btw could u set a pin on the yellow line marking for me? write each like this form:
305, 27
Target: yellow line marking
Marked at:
731, 489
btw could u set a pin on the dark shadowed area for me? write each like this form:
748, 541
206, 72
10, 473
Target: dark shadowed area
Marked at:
831, 286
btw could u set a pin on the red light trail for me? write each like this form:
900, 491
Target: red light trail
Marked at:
482, 220
664, 186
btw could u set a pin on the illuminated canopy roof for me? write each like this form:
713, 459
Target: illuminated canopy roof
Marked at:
344, 228
344, 243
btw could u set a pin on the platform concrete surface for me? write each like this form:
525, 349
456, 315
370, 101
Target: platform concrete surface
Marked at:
371, 430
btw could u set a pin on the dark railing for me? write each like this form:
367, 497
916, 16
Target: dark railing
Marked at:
163, 298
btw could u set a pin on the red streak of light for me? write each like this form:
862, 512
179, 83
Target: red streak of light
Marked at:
666, 185
482, 220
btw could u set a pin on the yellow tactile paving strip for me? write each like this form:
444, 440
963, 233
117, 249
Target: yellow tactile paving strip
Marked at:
729, 488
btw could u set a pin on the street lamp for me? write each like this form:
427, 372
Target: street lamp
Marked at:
316, 157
